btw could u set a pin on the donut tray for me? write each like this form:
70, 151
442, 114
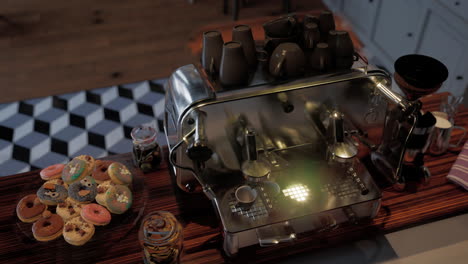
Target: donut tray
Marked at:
119, 227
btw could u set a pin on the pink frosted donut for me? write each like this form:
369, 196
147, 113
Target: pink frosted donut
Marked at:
95, 214
52, 172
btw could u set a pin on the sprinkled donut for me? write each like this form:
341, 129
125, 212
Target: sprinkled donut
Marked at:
96, 214
52, 194
48, 227
75, 170
52, 172
77, 231
119, 173
101, 192
68, 209
100, 173
118, 199
83, 191
90, 162
30, 208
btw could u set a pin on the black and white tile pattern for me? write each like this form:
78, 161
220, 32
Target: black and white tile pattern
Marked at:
40, 132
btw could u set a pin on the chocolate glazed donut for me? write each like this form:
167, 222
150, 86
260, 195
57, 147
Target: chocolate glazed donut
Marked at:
48, 227
30, 208
100, 173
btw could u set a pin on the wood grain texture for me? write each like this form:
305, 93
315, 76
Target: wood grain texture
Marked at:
202, 237
58, 46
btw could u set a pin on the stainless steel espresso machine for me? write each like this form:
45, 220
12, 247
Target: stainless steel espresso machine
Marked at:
278, 159
281, 153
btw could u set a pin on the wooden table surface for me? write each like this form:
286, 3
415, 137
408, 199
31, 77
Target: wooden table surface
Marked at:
118, 242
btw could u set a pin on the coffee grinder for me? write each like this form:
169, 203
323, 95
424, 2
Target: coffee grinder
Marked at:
400, 157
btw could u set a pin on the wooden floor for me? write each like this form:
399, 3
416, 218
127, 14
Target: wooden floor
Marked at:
61, 46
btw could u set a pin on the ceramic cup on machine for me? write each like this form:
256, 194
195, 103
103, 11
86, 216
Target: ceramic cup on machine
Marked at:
279, 31
245, 196
326, 23
211, 51
440, 138
341, 48
321, 59
287, 60
310, 19
243, 35
281, 27
234, 66
311, 35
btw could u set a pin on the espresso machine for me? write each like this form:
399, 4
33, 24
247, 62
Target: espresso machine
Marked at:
279, 159
280, 156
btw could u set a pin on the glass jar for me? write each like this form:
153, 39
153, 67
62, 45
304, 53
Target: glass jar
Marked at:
161, 237
147, 153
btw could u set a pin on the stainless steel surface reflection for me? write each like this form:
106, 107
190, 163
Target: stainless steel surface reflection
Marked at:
305, 190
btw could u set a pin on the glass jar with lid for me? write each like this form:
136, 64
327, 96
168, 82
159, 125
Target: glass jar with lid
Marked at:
161, 237
147, 153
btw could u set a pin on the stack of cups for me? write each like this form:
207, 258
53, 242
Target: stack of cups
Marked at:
231, 60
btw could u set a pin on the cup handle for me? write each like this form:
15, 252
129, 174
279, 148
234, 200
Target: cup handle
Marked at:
278, 70
461, 139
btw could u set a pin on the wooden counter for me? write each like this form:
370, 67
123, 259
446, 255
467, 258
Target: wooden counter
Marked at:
202, 237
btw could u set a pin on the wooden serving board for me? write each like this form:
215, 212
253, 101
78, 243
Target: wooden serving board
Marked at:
202, 233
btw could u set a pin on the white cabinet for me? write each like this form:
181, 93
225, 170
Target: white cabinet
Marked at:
439, 41
361, 14
459, 7
393, 28
398, 27
334, 5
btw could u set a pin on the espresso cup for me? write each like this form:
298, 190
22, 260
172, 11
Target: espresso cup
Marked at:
441, 134
287, 60
234, 66
243, 34
310, 19
281, 27
311, 35
343, 44
320, 59
245, 196
212, 50
326, 23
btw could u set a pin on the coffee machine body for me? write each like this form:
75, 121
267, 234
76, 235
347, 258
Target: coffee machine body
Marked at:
292, 144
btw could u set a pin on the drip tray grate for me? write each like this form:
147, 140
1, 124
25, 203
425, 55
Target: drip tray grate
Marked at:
345, 188
254, 212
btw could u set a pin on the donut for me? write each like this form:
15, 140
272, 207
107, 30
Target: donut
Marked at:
101, 192
77, 231
75, 170
52, 194
100, 170
95, 214
52, 172
119, 173
83, 191
48, 227
118, 199
57, 181
68, 209
90, 162
30, 208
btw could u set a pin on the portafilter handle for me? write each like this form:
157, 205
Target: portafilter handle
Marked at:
198, 150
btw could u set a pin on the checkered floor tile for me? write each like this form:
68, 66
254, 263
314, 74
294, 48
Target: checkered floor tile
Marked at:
40, 132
